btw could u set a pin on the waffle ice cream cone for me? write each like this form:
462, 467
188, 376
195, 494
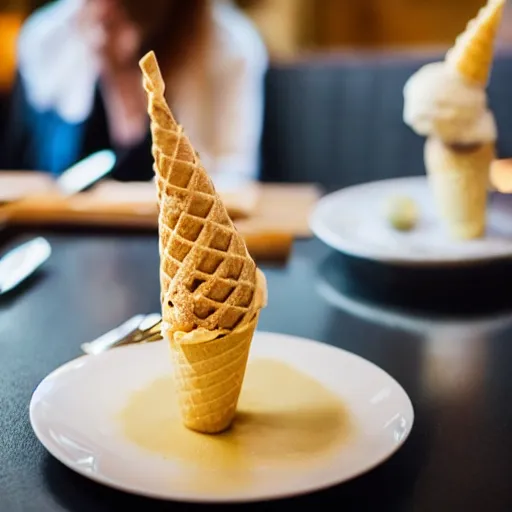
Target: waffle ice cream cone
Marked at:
209, 378
211, 289
459, 180
472, 54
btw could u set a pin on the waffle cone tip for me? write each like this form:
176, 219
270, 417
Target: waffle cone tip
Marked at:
152, 75
159, 113
473, 51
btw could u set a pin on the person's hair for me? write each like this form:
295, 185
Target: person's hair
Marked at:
176, 30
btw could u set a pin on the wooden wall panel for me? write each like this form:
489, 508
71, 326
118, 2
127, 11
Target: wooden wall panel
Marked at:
391, 22
290, 27
281, 23
293, 25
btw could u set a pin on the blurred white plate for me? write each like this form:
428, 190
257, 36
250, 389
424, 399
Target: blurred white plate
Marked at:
73, 414
352, 220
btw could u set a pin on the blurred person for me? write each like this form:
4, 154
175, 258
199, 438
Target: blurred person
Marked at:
78, 87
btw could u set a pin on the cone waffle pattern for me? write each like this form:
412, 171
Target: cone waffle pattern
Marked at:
459, 182
473, 51
207, 277
209, 379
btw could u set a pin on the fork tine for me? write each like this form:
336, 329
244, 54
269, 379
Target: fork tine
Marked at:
153, 333
155, 337
155, 329
132, 335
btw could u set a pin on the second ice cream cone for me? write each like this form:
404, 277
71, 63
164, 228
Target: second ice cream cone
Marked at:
459, 180
209, 377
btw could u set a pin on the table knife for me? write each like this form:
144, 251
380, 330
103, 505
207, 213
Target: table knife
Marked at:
86, 172
20, 262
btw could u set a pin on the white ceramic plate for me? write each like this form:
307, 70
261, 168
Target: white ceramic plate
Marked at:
352, 220
73, 413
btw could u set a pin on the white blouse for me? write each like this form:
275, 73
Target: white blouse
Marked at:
222, 114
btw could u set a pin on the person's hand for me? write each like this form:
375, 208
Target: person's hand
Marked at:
114, 38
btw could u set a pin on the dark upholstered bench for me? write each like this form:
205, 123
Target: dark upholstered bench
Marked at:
338, 119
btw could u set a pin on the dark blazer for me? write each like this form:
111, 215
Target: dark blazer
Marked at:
35, 140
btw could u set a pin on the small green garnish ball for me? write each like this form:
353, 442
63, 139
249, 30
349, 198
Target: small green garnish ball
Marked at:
402, 213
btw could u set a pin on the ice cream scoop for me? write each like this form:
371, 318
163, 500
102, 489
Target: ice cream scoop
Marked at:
439, 102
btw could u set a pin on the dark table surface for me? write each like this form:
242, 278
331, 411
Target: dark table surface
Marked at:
455, 363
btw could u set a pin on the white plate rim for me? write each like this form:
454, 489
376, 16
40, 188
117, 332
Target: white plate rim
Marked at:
341, 244
209, 499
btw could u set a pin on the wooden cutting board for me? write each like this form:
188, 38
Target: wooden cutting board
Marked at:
284, 208
255, 208
43, 197
15, 185
269, 216
240, 201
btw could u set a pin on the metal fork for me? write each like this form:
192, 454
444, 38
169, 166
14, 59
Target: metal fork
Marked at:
138, 329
